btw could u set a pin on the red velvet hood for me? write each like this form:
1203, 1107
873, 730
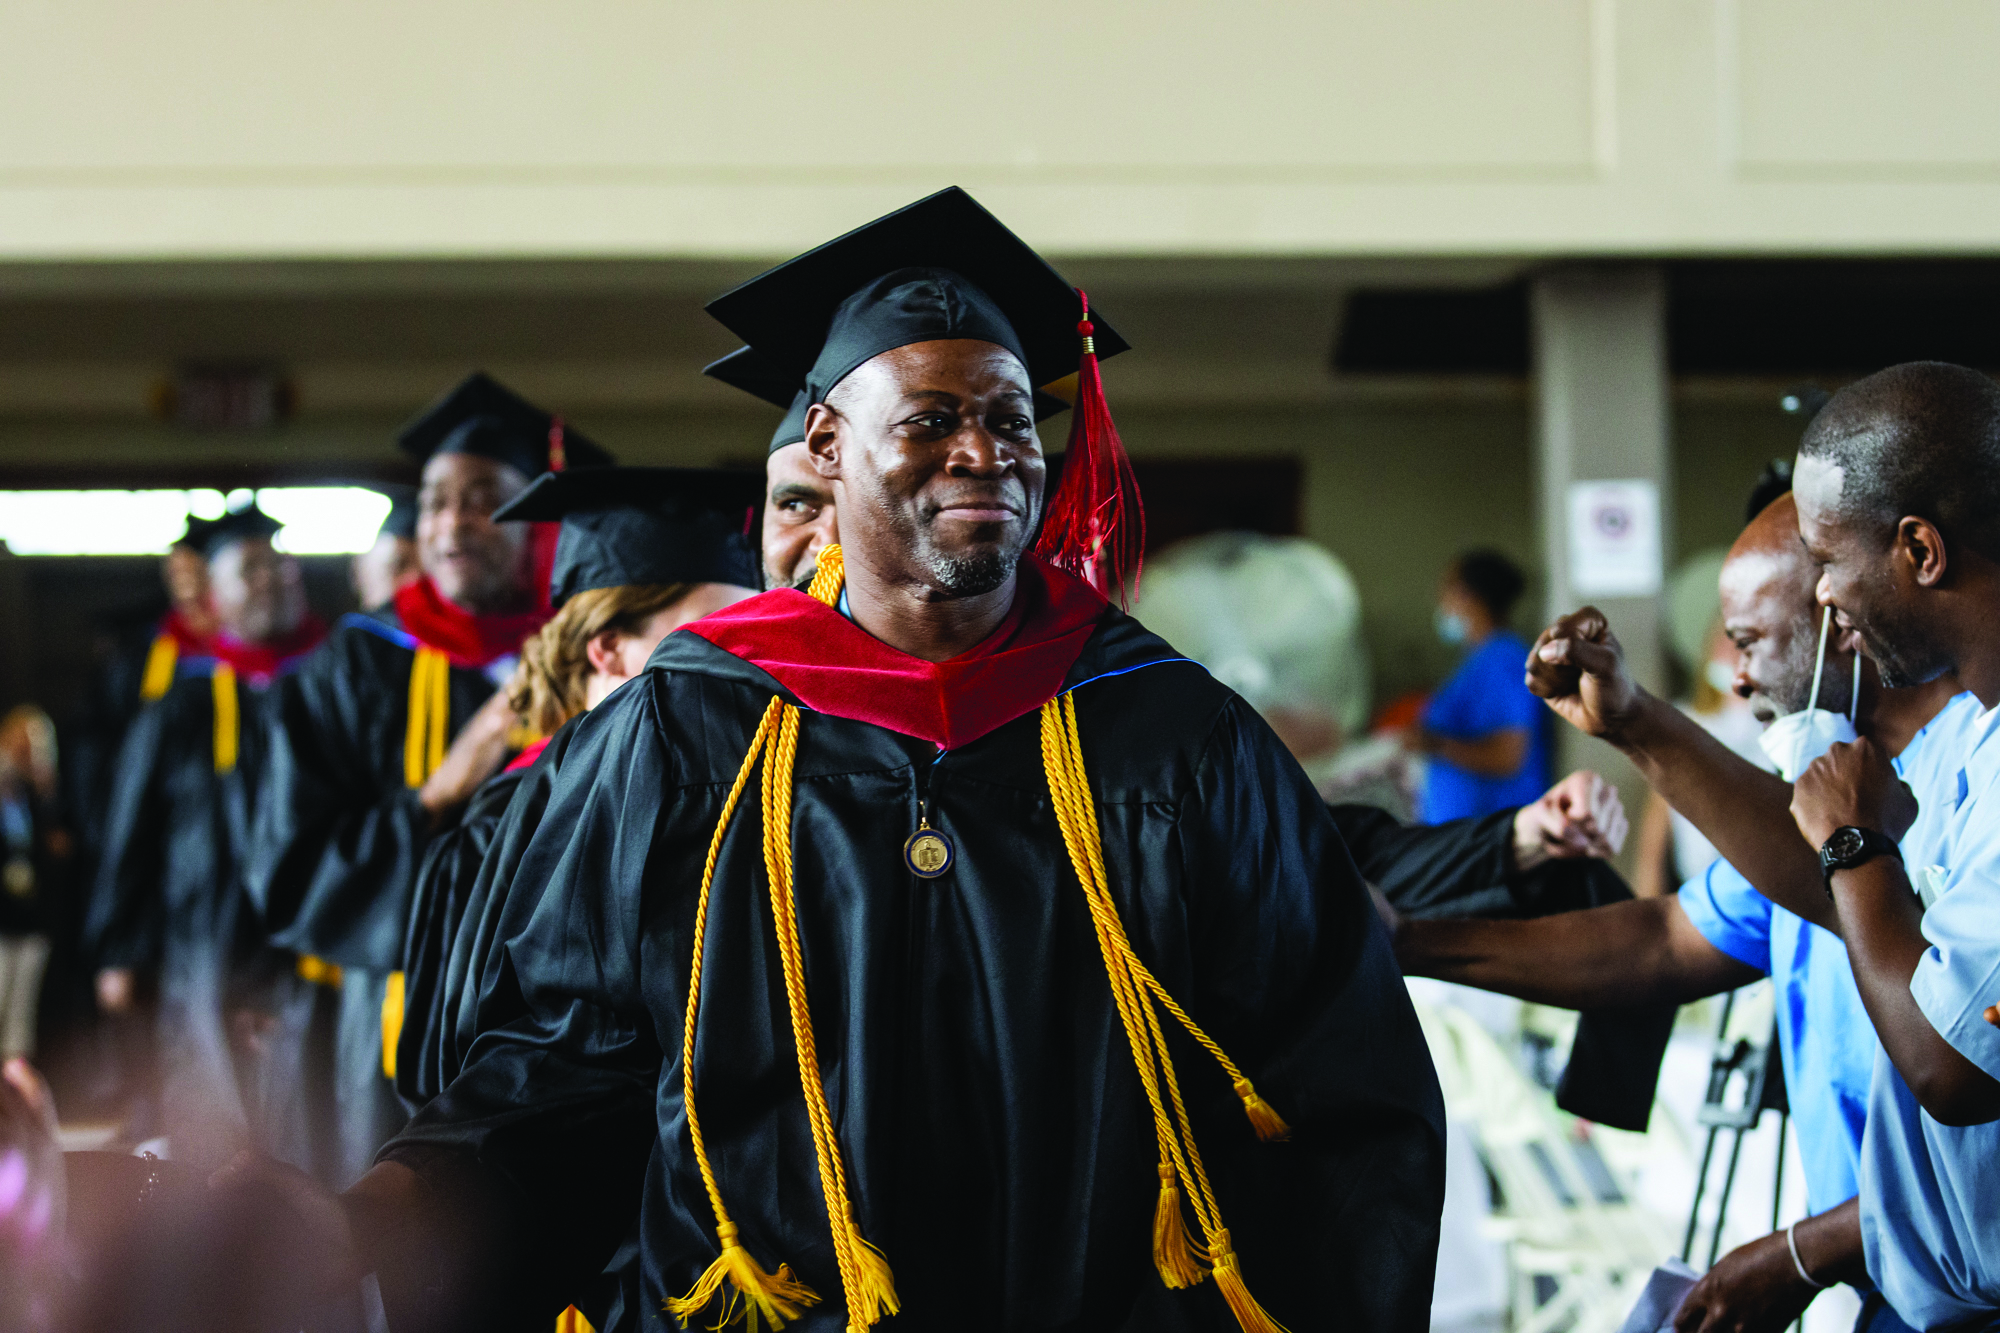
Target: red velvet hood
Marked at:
834, 666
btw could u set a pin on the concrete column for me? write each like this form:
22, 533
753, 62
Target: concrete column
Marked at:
1600, 366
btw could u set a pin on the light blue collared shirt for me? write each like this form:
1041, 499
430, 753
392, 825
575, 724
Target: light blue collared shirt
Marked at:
1824, 1032
1930, 1193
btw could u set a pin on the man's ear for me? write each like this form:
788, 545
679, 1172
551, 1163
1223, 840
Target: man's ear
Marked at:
1919, 546
602, 653
823, 440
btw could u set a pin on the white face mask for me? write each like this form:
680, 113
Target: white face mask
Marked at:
1796, 739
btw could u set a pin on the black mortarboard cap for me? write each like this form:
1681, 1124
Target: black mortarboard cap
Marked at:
401, 520
196, 533
943, 267
482, 416
623, 525
747, 370
235, 526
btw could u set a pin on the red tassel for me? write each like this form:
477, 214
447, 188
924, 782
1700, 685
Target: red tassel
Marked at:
1096, 526
558, 453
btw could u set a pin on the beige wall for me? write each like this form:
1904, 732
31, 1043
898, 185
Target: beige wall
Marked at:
242, 128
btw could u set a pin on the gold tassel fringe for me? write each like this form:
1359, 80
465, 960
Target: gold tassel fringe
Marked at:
777, 1298
1270, 1126
877, 1285
1229, 1281
1174, 1251
1140, 997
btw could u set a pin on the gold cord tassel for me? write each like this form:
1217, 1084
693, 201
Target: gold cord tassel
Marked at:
158, 677
864, 1272
228, 729
1270, 1126
776, 1298
1229, 1281
1139, 996
430, 716
1175, 1253
865, 1277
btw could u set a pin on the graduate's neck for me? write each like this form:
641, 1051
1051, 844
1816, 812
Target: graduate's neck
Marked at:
915, 618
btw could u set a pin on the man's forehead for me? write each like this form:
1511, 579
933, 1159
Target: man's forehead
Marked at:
791, 465
941, 367
1752, 580
1816, 485
466, 470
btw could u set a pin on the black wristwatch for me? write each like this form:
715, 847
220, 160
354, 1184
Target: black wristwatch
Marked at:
1849, 847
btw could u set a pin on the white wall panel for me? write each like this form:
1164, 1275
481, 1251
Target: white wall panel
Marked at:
274, 128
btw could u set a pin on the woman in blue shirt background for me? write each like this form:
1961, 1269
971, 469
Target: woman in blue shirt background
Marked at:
1486, 736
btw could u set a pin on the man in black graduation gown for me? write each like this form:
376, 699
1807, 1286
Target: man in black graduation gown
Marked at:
169, 892
386, 734
138, 669
995, 827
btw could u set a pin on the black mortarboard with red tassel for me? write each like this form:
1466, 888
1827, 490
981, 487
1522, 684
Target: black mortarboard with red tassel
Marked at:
941, 268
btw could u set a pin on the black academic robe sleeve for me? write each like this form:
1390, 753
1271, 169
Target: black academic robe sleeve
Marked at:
339, 834
125, 925
537, 1150
1451, 869
1460, 869
90, 741
447, 888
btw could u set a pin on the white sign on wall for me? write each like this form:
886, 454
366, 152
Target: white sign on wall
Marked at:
1614, 538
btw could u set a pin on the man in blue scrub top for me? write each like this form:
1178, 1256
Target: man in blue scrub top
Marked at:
1486, 736
1899, 501
1721, 933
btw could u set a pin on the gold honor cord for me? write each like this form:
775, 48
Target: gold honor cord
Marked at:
392, 1022
159, 674
228, 728
430, 716
318, 971
423, 754
777, 1298
1139, 998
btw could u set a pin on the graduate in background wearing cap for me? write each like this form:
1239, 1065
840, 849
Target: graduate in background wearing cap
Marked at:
876, 923
169, 891
642, 551
390, 562
137, 672
385, 736
798, 502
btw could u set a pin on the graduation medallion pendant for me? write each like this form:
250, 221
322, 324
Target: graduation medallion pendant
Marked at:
928, 852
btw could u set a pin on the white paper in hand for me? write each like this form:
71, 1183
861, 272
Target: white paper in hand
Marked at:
1661, 1300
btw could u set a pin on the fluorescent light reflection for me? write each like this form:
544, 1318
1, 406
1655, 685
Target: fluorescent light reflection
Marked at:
319, 520
325, 520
